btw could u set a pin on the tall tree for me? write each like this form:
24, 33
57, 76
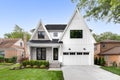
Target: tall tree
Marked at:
106, 35
108, 10
18, 32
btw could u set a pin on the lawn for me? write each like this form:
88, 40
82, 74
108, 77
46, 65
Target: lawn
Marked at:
114, 70
29, 74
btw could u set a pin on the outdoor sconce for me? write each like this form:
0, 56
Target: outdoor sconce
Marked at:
69, 49
84, 48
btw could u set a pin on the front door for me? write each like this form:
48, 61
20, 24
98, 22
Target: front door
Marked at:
55, 53
41, 53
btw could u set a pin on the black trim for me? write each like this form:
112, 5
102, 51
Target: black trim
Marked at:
55, 53
41, 53
46, 41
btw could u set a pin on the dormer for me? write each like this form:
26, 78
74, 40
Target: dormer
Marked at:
40, 33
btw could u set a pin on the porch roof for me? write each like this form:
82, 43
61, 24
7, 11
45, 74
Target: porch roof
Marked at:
46, 41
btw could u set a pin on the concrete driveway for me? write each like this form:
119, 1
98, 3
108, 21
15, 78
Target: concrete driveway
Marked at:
87, 73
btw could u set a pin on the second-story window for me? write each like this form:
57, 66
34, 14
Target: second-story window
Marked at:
21, 44
55, 34
41, 34
103, 45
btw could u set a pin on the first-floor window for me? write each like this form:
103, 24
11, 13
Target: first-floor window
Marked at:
2, 53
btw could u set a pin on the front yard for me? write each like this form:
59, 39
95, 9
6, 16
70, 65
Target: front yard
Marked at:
114, 70
29, 74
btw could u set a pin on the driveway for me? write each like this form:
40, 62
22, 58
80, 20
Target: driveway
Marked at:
87, 73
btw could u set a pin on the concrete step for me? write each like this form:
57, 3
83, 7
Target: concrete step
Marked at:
55, 64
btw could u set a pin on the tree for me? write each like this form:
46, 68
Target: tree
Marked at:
106, 36
108, 10
17, 33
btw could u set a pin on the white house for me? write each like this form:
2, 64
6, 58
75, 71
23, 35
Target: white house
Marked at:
69, 44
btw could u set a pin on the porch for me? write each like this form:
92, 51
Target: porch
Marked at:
49, 52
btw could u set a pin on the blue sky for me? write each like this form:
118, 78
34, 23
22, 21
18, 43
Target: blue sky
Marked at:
27, 14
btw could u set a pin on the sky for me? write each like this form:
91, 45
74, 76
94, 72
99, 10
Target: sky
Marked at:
27, 14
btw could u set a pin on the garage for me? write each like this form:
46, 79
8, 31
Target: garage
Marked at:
75, 58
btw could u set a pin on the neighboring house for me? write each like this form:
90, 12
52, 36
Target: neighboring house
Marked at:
11, 47
110, 50
69, 44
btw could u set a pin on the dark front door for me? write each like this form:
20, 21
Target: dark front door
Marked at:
55, 53
41, 53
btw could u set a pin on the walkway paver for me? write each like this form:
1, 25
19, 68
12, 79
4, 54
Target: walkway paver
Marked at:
87, 73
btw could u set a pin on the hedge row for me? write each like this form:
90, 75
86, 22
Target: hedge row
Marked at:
36, 64
8, 60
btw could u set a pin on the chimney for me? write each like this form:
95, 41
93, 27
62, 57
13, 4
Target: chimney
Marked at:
25, 45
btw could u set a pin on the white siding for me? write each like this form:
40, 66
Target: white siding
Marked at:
78, 45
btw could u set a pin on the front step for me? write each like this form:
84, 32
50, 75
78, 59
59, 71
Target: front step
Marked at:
54, 64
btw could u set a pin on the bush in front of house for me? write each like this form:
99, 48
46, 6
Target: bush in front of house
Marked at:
99, 61
102, 63
96, 61
11, 60
114, 64
1, 59
14, 59
35, 64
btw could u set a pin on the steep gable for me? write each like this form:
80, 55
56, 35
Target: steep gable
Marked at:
77, 23
40, 27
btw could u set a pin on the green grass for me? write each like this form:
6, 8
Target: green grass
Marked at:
114, 70
29, 74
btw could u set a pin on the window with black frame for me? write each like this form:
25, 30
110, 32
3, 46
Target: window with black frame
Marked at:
41, 34
76, 33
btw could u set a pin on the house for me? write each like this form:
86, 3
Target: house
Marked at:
11, 47
110, 50
69, 44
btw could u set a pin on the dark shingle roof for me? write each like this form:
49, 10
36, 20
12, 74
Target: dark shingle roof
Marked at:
114, 50
55, 26
45, 41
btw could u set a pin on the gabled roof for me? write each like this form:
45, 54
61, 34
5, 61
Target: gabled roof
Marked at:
76, 11
55, 26
40, 24
7, 43
112, 51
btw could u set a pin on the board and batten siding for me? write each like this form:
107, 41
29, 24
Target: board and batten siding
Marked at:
85, 44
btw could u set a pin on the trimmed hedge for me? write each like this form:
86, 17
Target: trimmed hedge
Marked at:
35, 64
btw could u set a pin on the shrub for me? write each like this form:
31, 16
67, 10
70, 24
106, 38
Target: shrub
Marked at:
99, 61
114, 64
42, 66
1, 58
32, 62
96, 60
24, 63
47, 63
14, 59
102, 63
